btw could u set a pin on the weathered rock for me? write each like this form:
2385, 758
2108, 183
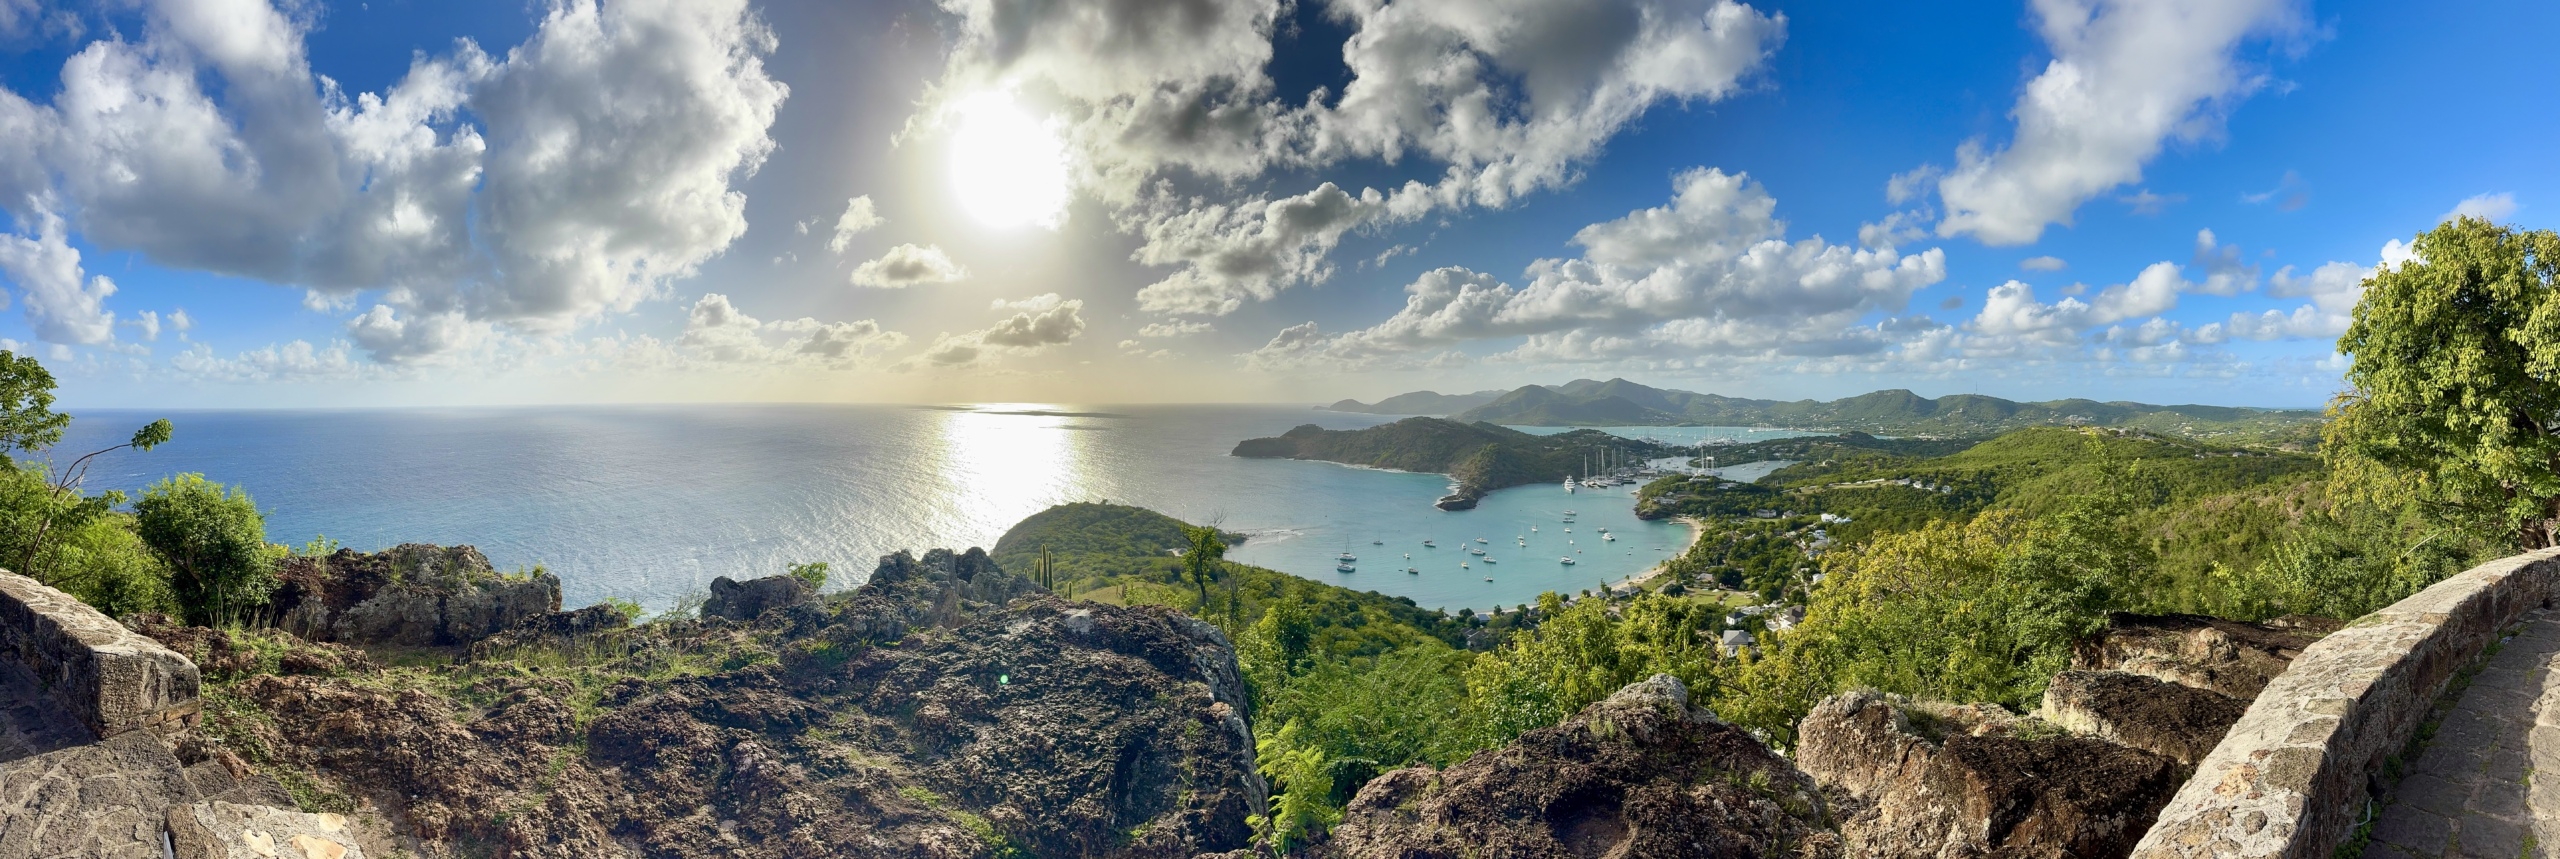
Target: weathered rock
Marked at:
2235, 658
222, 654
105, 675
1641, 773
102, 799
2179, 722
909, 719
224, 830
552, 630
411, 595
750, 599
1972, 782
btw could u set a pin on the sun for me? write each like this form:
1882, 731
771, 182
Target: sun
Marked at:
1008, 167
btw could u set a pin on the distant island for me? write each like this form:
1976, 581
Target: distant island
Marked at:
1618, 402
1478, 457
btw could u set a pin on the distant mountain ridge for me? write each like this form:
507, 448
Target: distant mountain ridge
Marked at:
1431, 403
1618, 402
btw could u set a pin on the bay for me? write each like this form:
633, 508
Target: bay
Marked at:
649, 503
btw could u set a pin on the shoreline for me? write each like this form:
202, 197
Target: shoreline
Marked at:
1697, 531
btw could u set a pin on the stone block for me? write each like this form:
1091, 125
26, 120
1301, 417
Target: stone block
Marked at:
2309, 779
110, 678
2491, 838
224, 830
2421, 833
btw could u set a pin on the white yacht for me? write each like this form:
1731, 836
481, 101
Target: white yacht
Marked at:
1565, 561
1609, 537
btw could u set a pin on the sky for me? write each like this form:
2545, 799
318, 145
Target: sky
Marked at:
286, 203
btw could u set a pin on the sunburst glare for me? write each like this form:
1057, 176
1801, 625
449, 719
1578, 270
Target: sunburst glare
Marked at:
1008, 167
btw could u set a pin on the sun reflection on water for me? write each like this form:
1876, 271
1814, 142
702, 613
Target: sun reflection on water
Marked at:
1006, 462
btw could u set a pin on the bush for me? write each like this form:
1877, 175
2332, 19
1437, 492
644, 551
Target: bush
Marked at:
214, 542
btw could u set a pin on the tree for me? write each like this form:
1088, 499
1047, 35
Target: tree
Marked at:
2455, 385
1202, 552
214, 542
67, 500
27, 420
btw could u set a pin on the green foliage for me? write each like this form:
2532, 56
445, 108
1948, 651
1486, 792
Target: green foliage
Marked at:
813, 574
1298, 773
1978, 611
2455, 385
214, 541
1578, 654
629, 610
28, 422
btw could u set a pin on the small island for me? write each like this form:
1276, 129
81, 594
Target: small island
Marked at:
1477, 457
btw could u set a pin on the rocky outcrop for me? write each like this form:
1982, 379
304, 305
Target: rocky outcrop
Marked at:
2235, 658
2179, 722
410, 595
1641, 773
1946, 782
100, 673
749, 599
915, 716
224, 830
553, 630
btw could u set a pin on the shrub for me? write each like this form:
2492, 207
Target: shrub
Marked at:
214, 542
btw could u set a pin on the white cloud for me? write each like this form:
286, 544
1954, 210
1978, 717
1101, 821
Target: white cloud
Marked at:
430, 337
2125, 77
296, 361
179, 320
1037, 323
574, 177
2043, 263
716, 331
1896, 229
2225, 272
148, 322
1251, 249
2488, 207
64, 306
1174, 328
908, 265
1504, 99
859, 215
1710, 272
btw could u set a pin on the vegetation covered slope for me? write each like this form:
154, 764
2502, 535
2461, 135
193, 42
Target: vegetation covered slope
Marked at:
1479, 457
1618, 402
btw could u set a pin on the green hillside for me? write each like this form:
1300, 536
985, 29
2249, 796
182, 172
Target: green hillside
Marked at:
1123, 554
1618, 402
1478, 457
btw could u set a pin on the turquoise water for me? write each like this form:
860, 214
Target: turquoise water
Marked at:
651, 503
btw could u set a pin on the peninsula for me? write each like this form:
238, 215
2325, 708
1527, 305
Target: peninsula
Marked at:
1478, 457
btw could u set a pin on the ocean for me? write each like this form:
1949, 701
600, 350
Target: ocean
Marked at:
649, 503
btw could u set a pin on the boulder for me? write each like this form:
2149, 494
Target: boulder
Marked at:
410, 595
2235, 658
2182, 723
750, 599
224, 830
1641, 773
552, 630
1943, 782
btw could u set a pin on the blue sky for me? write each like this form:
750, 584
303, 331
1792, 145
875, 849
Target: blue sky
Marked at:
299, 204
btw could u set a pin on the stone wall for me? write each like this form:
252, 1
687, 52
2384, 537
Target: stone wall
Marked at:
2292, 778
111, 678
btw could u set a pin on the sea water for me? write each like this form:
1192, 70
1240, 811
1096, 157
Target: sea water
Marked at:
649, 503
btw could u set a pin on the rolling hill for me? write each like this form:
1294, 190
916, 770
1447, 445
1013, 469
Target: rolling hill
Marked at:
1618, 402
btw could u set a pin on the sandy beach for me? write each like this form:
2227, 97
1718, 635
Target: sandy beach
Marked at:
1697, 529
